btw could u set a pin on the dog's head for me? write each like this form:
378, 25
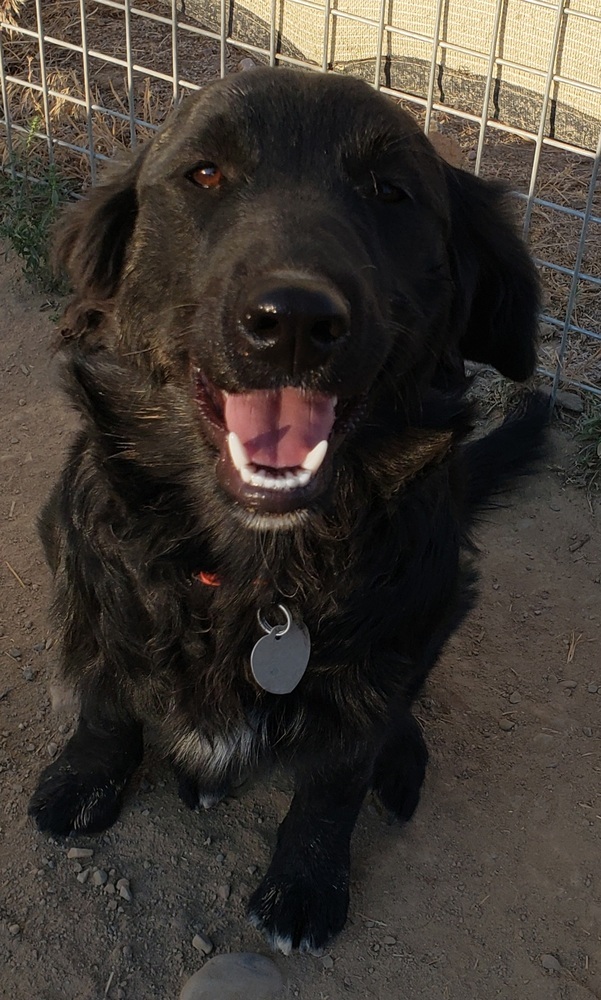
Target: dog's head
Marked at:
292, 255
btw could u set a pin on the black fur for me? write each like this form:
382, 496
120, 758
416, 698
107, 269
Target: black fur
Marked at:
322, 177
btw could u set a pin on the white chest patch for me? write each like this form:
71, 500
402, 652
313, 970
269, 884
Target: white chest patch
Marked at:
235, 751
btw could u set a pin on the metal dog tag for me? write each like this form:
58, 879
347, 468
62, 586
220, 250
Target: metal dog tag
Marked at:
279, 659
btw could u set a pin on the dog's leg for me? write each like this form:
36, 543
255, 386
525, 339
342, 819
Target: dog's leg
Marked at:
82, 790
303, 900
400, 768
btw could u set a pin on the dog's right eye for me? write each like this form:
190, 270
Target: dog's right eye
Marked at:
206, 175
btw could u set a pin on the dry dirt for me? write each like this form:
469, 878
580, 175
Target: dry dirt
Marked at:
492, 891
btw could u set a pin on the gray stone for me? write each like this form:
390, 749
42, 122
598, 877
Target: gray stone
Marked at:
76, 853
592, 689
506, 725
570, 401
14, 929
238, 976
99, 877
327, 962
52, 749
245, 64
550, 963
224, 892
514, 698
389, 939
15, 653
83, 876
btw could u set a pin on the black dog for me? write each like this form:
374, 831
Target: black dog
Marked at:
271, 307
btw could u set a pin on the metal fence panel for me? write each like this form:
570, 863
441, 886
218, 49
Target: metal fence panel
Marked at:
516, 82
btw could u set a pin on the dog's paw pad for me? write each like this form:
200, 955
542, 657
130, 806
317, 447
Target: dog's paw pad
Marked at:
67, 802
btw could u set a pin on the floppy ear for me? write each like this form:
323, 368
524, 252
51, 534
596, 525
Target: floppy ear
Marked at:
497, 291
91, 242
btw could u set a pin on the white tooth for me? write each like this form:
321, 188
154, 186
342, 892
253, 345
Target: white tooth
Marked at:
246, 473
257, 479
303, 477
316, 457
237, 451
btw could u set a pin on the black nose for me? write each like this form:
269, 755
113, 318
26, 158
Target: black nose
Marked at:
294, 323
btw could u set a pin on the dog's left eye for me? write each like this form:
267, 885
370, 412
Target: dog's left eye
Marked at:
386, 191
206, 175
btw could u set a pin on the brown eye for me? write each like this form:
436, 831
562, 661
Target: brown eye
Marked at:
207, 175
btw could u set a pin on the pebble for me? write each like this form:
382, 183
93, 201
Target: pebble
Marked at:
125, 893
570, 401
252, 869
506, 725
224, 891
592, 688
237, 976
389, 939
76, 853
568, 685
15, 653
52, 749
39, 647
551, 963
515, 698
14, 929
471, 155
220, 858
587, 731
202, 943
83, 876
28, 674
327, 962
99, 877
246, 64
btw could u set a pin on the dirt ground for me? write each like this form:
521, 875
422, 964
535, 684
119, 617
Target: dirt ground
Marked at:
493, 889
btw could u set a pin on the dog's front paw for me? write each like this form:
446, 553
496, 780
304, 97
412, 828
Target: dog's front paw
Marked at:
67, 801
300, 911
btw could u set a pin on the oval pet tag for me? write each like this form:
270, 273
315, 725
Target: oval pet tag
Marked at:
279, 659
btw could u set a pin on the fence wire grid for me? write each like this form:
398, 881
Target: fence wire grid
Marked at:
514, 85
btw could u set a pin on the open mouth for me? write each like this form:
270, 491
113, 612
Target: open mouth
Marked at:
275, 446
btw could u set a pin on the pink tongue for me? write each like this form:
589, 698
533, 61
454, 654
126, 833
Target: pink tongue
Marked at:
279, 429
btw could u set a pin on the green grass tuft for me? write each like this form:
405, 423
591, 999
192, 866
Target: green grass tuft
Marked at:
30, 200
589, 455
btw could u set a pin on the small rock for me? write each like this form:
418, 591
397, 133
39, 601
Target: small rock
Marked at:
39, 647
389, 939
84, 876
327, 962
471, 155
110, 888
28, 674
587, 731
14, 929
551, 963
245, 64
77, 867
506, 725
112, 904
515, 698
22, 402
15, 653
52, 749
220, 858
99, 877
237, 976
127, 952
121, 882
568, 685
252, 869
224, 891
570, 401
592, 688
75, 853
202, 943
125, 893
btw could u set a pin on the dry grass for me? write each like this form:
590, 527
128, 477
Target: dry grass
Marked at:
563, 177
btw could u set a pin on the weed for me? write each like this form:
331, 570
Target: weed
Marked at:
30, 197
589, 456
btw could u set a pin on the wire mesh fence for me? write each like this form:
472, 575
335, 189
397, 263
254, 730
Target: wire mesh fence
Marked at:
515, 85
